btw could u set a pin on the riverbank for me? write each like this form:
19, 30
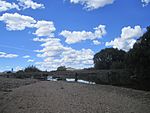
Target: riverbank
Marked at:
64, 97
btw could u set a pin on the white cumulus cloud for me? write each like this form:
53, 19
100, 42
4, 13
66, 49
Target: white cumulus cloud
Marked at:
44, 28
20, 22
16, 21
21, 4
96, 42
55, 54
5, 6
26, 56
17, 68
78, 36
7, 55
30, 4
30, 60
127, 39
92, 4
145, 2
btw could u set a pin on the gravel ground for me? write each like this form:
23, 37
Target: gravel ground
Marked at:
6, 84
63, 97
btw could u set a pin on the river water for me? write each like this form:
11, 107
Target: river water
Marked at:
50, 78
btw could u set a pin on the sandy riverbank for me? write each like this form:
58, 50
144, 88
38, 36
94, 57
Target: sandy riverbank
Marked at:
63, 97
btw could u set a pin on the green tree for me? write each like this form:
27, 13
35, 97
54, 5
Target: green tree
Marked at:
61, 68
109, 58
138, 58
31, 69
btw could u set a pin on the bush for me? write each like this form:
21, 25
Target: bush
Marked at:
29, 72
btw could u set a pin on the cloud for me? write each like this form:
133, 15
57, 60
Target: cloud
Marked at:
92, 4
30, 60
41, 39
17, 68
6, 55
5, 6
17, 22
96, 42
127, 39
26, 56
44, 28
55, 54
78, 36
29, 4
145, 2
20, 22
22, 4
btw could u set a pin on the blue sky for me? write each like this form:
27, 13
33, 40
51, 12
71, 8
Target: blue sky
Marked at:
53, 33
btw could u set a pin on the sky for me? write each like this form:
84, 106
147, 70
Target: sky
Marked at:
53, 33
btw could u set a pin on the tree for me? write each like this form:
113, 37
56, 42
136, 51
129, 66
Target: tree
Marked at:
61, 68
138, 58
106, 57
31, 69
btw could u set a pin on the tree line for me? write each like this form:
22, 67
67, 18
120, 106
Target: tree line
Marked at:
136, 60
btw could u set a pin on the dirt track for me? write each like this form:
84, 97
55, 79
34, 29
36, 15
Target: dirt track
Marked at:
62, 97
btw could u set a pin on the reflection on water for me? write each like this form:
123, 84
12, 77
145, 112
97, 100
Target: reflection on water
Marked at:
86, 82
50, 78
70, 79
